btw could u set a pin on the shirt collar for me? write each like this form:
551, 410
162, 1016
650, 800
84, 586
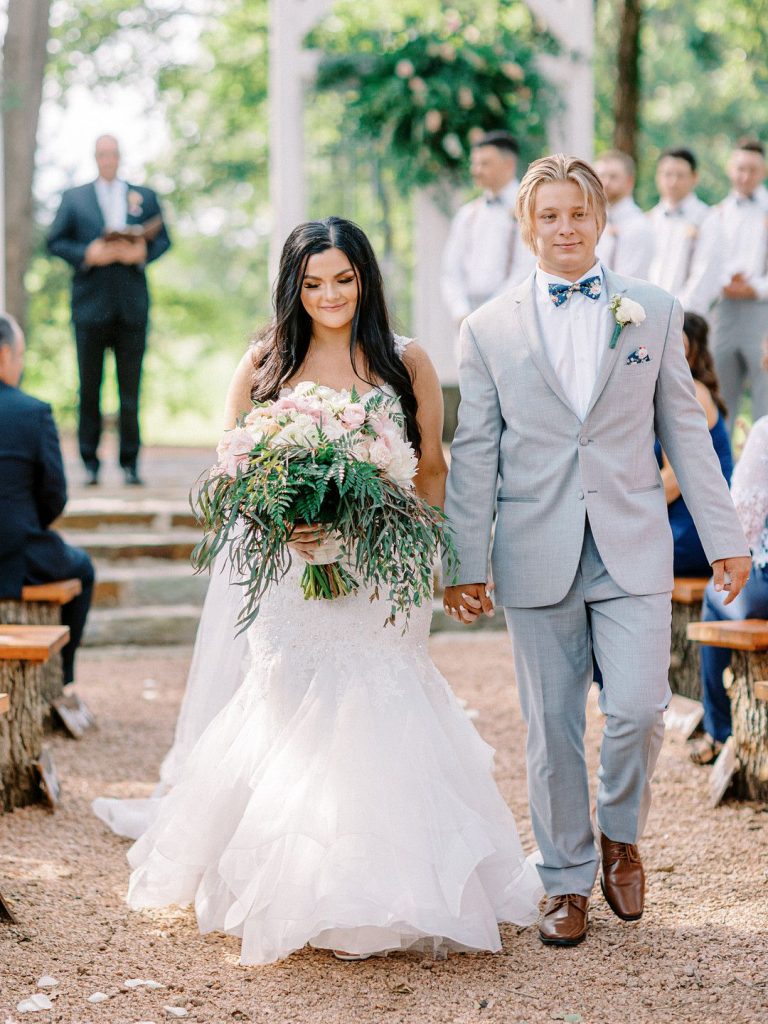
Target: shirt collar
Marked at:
543, 279
507, 195
622, 209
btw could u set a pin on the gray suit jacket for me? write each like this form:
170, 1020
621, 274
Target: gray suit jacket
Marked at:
522, 450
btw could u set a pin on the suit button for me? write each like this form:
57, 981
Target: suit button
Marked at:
583, 440
581, 495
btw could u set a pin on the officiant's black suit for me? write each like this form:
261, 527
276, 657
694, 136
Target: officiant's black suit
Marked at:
33, 492
110, 307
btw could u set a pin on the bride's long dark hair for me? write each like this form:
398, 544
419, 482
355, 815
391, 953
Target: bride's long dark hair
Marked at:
281, 348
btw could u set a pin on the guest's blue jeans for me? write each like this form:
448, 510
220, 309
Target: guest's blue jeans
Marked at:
752, 603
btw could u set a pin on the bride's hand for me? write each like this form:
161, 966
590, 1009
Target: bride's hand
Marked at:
306, 539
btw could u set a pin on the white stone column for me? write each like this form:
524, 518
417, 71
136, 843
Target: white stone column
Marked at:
291, 69
572, 23
432, 324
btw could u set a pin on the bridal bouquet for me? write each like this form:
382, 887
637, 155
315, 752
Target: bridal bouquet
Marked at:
325, 457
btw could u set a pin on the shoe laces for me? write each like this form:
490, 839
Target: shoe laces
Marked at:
563, 900
621, 851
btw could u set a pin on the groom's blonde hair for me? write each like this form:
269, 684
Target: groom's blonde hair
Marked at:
557, 167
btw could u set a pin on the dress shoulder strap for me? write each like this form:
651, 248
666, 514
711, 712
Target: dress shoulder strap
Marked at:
401, 344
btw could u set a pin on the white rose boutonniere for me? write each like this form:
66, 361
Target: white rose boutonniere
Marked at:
625, 312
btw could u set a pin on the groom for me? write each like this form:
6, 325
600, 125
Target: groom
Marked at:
559, 407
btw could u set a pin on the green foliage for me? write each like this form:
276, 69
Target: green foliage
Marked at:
422, 88
704, 76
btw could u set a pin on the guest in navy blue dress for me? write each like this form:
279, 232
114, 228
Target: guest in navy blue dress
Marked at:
690, 559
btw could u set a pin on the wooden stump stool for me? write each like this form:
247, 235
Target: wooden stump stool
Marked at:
684, 665
40, 605
749, 698
24, 650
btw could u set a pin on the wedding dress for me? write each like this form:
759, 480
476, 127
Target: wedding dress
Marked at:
342, 798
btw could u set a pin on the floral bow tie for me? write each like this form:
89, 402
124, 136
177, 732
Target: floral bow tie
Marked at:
590, 286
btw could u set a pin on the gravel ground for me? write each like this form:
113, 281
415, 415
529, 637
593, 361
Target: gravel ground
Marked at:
698, 955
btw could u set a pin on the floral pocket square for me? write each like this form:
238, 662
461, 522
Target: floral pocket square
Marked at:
640, 355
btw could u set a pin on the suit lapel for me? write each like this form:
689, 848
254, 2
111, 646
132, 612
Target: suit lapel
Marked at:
529, 326
96, 205
614, 286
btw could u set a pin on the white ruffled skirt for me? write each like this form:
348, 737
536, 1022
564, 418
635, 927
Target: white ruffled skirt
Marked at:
342, 798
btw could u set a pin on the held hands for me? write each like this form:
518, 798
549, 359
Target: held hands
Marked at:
306, 539
468, 601
101, 253
739, 288
731, 574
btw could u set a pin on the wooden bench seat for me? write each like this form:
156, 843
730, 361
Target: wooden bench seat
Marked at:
684, 665
24, 652
748, 692
41, 605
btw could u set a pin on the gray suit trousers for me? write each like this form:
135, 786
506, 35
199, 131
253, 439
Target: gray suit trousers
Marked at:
738, 330
552, 647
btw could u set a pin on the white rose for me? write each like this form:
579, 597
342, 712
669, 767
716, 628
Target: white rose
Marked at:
403, 464
629, 312
379, 454
301, 431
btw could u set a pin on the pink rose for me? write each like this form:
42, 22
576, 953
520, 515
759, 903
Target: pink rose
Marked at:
353, 415
233, 450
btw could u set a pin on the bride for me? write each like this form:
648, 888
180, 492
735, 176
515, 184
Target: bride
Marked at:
341, 798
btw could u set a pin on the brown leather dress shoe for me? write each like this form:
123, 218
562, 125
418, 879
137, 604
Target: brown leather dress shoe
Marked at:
564, 920
622, 879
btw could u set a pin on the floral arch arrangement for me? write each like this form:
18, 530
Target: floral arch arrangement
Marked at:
425, 91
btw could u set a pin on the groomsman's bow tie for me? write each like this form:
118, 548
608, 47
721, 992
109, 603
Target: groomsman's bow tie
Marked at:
676, 212
493, 201
744, 200
590, 286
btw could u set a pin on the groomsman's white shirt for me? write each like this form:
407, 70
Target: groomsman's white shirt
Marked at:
575, 336
626, 246
113, 200
688, 258
744, 225
484, 253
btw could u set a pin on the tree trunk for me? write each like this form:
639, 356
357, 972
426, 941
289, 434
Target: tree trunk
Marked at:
750, 725
39, 613
626, 104
21, 734
24, 59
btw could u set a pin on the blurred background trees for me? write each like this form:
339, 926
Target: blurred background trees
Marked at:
667, 72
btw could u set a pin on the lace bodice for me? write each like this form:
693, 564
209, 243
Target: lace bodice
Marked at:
749, 490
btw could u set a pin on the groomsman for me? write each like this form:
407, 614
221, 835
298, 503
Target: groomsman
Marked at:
484, 253
740, 319
627, 244
687, 253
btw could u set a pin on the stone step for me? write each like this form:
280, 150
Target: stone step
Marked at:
148, 582
119, 546
107, 514
152, 625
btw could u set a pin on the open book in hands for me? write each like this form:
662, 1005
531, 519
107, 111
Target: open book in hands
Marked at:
148, 231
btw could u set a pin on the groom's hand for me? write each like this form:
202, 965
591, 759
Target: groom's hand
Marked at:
738, 570
467, 601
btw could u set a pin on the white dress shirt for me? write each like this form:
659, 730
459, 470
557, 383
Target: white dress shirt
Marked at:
626, 246
484, 253
576, 336
744, 224
688, 255
113, 200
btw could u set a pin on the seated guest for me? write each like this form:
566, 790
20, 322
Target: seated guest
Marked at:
690, 559
33, 492
749, 491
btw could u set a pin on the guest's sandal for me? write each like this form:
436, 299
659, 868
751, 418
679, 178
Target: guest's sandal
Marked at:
704, 750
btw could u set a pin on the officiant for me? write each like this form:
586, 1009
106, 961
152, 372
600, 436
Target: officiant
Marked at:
108, 231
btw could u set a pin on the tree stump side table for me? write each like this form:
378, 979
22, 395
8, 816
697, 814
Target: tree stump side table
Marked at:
749, 698
40, 605
24, 651
685, 664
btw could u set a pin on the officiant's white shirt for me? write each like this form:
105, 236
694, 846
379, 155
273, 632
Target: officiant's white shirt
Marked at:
575, 336
113, 200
